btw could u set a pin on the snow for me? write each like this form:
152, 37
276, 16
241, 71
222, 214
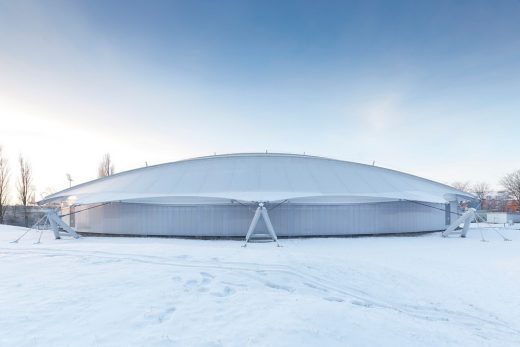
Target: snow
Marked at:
366, 291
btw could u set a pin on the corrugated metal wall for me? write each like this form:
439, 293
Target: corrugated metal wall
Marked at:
288, 219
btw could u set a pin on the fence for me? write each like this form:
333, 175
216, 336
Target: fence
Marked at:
15, 215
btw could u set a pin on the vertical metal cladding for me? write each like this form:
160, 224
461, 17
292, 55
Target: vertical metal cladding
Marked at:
289, 219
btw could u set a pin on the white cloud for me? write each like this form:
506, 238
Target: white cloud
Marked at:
383, 112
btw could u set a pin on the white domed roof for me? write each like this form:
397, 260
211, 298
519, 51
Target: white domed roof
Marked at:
255, 178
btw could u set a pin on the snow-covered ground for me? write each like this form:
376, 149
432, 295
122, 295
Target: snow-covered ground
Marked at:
369, 291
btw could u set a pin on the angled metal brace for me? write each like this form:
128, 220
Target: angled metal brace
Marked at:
466, 217
57, 222
261, 211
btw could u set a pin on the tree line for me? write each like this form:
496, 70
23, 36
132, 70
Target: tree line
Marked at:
25, 191
510, 182
24, 185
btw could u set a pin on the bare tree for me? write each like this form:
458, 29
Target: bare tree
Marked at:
511, 183
25, 187
106, 167
480, 189
464, 186
4, 185
32, 195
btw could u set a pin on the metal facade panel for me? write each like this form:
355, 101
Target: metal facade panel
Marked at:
288, 219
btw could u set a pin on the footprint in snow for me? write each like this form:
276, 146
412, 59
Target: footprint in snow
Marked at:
227, 291
210, 344
190, 285
166, 314
334, 299
202, 285
361, 303
207, 275
159, 314
279, 287
313, 286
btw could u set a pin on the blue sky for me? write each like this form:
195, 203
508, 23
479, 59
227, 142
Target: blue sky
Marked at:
430, 88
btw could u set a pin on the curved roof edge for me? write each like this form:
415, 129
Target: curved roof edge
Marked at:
62, 195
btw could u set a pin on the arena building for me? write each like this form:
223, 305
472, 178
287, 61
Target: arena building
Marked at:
220, 196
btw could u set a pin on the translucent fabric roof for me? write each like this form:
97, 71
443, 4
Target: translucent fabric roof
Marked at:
257, 178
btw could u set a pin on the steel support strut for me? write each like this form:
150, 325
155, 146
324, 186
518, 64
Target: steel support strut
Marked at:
261, 211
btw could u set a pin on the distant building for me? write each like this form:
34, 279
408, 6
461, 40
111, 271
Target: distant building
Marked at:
499, 201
